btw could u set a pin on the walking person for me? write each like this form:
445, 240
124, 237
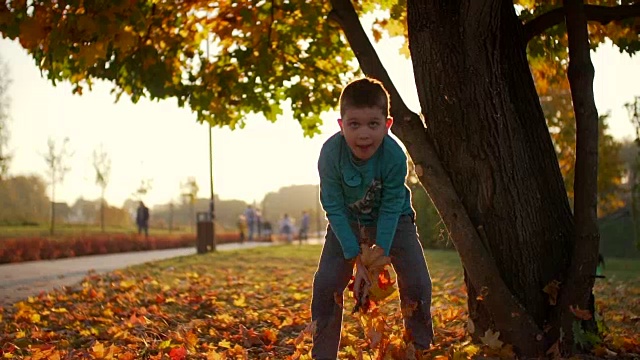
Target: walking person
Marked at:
286, 229
250, 216
304, 227
142, 219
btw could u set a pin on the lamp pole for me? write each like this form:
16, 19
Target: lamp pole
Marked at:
211, 202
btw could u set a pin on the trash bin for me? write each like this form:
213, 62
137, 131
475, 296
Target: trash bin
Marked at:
204, 232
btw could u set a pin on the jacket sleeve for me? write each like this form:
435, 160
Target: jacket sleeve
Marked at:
393, 197
332, 200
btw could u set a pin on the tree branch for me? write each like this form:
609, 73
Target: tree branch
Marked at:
579, 283
598, 13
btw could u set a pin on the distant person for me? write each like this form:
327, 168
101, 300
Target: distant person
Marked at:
362, 190
242, 226
304, 227
142, 219
258, 223
250, 215
267, 230
286, 228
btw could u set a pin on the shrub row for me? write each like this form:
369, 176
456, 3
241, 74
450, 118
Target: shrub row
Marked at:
14, 250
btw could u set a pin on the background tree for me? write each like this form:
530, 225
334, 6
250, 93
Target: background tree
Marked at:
482, 148
633, 179
189, 192
277, 203
24, 200
558, 111
102, 167
143, 189
431, 230
56, 158
5, 82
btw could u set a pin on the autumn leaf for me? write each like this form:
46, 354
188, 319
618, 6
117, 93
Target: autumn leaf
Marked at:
490, 339
552, 289
249, 337
178, 353
580, 313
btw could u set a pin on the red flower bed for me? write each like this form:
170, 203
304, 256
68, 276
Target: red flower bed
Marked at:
15, 250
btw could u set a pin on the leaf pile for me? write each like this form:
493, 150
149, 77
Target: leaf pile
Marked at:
251, 304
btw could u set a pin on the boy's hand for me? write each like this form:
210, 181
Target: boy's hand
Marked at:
361, 283
369, 266
374, 260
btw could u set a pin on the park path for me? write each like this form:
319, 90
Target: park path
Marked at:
21, 280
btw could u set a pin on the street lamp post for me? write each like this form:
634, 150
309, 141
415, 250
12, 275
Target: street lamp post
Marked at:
211, 200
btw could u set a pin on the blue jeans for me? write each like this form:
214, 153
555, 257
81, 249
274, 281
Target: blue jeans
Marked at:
333, 275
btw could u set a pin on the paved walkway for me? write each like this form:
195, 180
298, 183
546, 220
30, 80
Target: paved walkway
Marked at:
21, 280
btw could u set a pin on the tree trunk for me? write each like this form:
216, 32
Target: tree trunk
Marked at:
102, 211
484, 115
53, 206
577, 291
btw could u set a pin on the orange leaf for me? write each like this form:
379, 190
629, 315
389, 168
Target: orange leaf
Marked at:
178, 353
579, 313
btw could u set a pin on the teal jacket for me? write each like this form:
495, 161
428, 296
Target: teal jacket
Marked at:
373, 192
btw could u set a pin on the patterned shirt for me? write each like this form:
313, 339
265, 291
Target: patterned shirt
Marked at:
364, 193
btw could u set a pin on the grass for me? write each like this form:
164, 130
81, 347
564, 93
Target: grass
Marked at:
252, 304
623, 270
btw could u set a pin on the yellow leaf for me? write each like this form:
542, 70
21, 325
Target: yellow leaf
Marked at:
127, 284
240, 301
97, 350
35, 318
213, 355
225, 344
490, 339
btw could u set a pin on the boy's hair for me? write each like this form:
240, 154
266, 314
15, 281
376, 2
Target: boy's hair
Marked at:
363, 93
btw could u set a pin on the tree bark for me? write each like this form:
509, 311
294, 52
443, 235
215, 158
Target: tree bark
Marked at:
489, 131
584, 257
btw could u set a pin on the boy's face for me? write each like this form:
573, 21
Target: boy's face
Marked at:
364, 129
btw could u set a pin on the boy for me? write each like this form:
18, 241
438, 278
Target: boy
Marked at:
362, 190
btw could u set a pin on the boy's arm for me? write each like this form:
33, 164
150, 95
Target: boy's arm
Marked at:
392, 202
332, 201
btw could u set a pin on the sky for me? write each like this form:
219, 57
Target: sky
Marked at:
162, 142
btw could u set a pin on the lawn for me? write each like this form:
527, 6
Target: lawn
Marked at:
254, 304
